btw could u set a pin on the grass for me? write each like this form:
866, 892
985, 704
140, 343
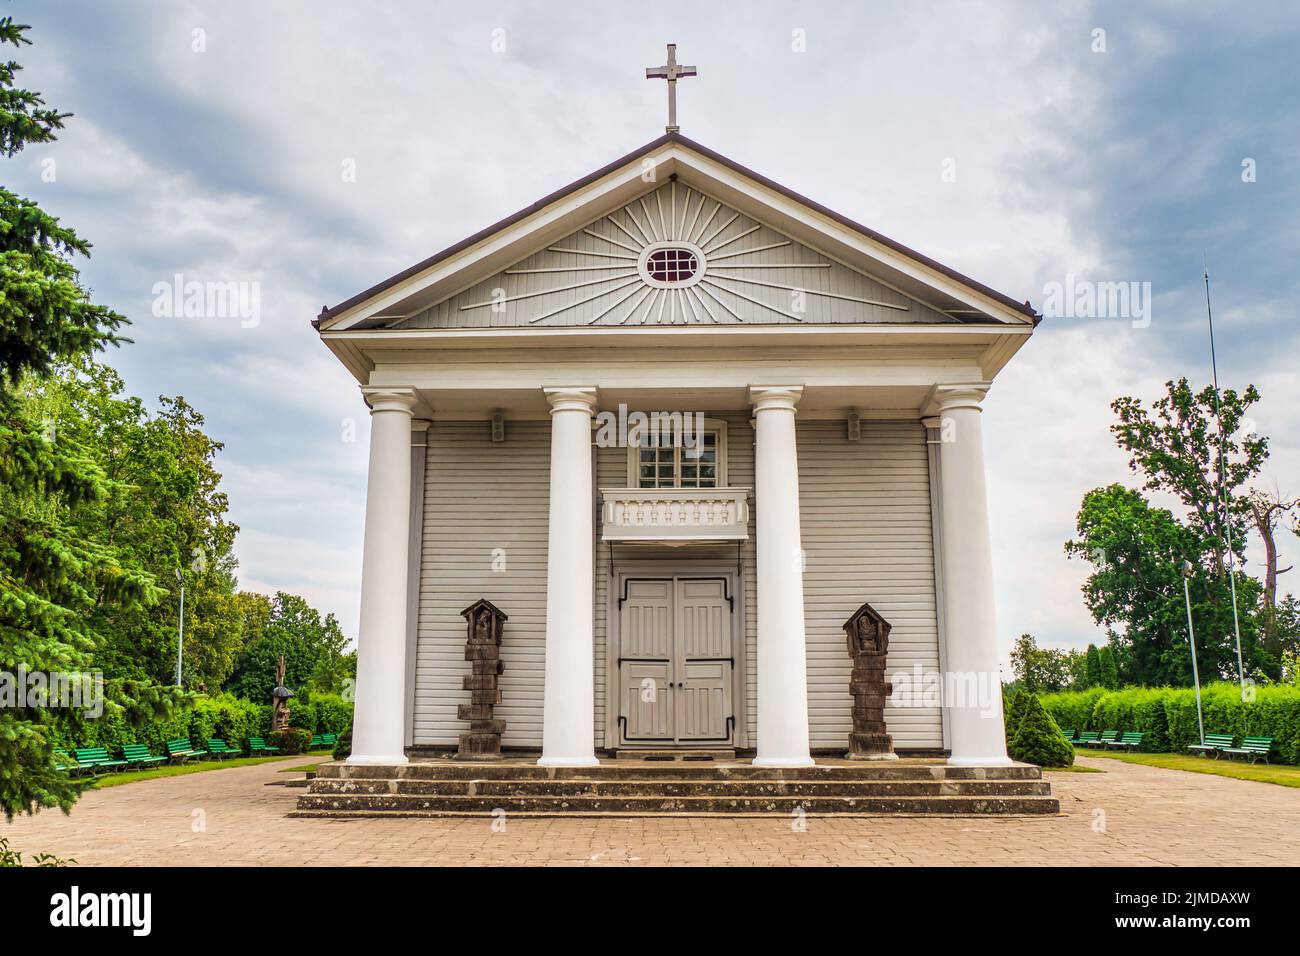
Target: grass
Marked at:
302, 768
1280, 774
179, 770
1074, 768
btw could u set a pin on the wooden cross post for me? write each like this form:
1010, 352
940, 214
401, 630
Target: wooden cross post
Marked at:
671, 72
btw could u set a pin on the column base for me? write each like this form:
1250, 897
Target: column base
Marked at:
365, 760
567, 762
980, 762
783, 762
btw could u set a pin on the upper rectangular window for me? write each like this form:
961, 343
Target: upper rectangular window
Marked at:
676, 466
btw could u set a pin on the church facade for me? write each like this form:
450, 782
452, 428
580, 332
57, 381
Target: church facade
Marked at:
678, 424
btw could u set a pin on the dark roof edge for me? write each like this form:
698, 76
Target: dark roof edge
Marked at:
327, 313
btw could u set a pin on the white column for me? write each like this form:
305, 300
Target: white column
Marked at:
568, 708
378, 724
972, 686
782, 651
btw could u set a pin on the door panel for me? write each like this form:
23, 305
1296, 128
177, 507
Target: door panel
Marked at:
646, 625
705, 616
647, 701
702, 702
675, 661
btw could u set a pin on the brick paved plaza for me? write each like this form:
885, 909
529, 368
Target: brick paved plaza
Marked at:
1129, 815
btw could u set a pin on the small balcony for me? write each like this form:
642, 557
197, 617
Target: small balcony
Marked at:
674, 515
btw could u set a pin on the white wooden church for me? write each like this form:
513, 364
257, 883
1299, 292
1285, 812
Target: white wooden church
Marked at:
677, 422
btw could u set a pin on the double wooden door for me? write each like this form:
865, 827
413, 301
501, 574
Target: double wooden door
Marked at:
676, 662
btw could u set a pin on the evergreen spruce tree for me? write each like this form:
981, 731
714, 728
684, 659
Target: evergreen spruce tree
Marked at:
1038, 740
51, 578
1015, 713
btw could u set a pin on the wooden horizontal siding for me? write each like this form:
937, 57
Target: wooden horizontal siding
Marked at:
480, 496
865, 520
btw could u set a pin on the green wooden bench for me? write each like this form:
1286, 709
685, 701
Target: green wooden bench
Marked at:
1253, 747
63, 762
1106, 737
1214, 744
258, 745
1128, 741
323, 741
138, 755
221, 750
1069, 734
1086, 738
95, 759
181, 750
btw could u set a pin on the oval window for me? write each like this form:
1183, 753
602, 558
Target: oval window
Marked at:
672, 265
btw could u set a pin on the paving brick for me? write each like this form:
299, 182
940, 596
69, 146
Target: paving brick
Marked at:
1129, 815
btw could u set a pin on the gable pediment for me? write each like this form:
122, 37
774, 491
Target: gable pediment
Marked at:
742, 271
761, 255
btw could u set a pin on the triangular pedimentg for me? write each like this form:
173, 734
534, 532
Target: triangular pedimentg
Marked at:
674, 235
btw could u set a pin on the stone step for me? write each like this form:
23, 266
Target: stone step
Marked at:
313, 804
447, 770
489, 789
677, 756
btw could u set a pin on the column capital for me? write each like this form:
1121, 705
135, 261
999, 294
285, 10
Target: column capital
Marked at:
571, 398
768, 397
943, 398
388, 398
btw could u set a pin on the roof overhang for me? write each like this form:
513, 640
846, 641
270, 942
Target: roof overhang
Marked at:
553, 217
361, 350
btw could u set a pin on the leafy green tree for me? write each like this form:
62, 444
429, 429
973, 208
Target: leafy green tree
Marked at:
1136, 591
162, 510
1092, 666
1178, 448
311, 646
1106, 670
1039, 669
1076, 666
53, 578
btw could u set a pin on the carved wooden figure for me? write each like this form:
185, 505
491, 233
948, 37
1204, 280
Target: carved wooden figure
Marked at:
280, 700
868, 642
484, 624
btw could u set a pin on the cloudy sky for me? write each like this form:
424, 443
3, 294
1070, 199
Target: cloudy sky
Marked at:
1099, 141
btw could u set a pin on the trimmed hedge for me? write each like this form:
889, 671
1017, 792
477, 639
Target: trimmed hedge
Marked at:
231, 718
320, 713
1167, 715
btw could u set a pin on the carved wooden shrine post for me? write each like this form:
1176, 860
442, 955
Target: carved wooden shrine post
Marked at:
868, 641
483, 650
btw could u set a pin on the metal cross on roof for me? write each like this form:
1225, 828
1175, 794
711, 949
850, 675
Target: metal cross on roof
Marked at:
671, 72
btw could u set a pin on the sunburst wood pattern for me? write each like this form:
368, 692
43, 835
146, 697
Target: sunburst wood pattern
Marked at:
750, 274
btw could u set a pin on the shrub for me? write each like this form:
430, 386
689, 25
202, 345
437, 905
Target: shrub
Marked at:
343, 748
333, 713
302, 713
1015, 713
295, 740
1038, 740
1167, 715
1073, 708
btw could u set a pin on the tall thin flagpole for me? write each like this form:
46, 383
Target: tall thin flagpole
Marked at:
1191, 640
1223, 490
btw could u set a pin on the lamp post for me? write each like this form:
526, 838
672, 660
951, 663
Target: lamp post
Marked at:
1191, 640
180, 632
